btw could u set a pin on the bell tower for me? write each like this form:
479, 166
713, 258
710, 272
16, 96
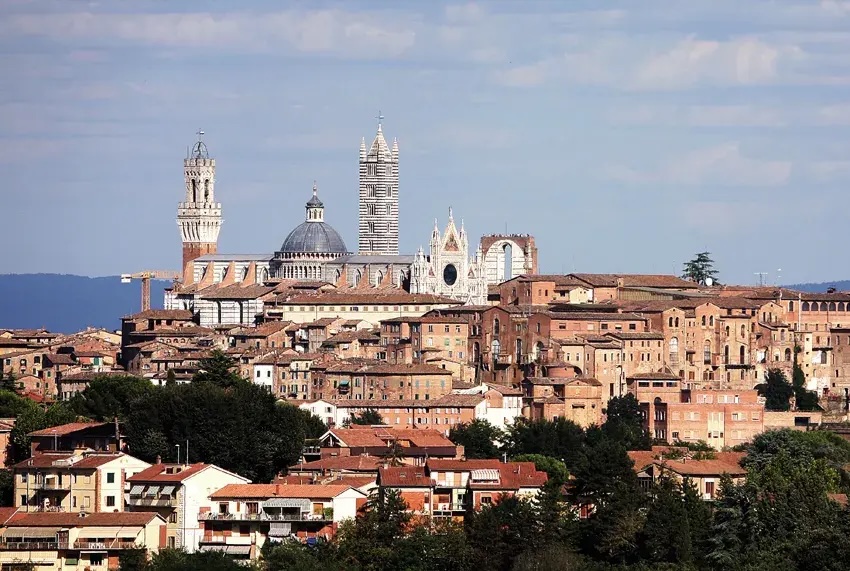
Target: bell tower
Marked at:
378, 228
199, 215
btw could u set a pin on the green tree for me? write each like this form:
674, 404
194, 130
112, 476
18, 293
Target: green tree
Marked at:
7, 382
7, 488
667, 535
624, 422
133, 560
313, 426
777, 391
219, 369
170, 378
502, 531
554, 468
700, 269
604, 467
805, 399
32, 418
176, 560
108, 396
479, 438
559, 438
368, 542
368, 417
292, 555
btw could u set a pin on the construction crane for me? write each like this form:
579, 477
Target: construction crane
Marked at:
146, 277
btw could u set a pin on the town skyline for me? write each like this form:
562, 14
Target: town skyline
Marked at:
712, 126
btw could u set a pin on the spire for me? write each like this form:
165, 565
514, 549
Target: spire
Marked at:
363, 148
451, 217
395, 146
380, 118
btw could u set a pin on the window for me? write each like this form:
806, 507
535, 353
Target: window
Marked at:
110, 477
110, 501
173, 517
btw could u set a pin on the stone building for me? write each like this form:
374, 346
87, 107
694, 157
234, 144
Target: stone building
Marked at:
448, 270
378, 226
199, 216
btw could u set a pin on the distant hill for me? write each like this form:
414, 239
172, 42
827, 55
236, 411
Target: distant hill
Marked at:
842, 285
66, 303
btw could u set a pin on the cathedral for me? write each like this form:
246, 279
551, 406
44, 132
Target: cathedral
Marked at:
315, 251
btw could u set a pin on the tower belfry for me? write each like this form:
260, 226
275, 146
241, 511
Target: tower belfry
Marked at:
199, 215
378, 227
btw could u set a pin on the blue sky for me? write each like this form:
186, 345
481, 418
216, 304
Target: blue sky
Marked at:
624, 135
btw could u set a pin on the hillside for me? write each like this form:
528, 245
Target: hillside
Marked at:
67, 303
841, 285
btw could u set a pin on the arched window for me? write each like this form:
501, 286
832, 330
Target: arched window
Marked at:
379, 277
670, 322
787, 354
677, 322
508, 252
495, 347
337, 276
357, 276
538, 350
840, 306
241, 312
823, 306
805, 306
496, 328
727, 331
711, 321
703, 320
206, 190
743, 330
790, 306
726, 354
218, 311
476, 352
706, 353
742, 355
832, 306
194, 190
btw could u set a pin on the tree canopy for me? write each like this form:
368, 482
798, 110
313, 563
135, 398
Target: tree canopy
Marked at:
479, 438
701, 269
368, 417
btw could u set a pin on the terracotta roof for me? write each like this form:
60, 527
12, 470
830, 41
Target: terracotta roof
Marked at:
65, 429
349, 336
87, 461
176, 314
237, 291
367, 297
157, 473
594, 316
359, 463
513, 476
266, 491
636, 280
404, 477
505, 390
406, 369
451, 465
655, 377
261, 330
722, 463
70, 519
6, 514
639, 335
383, 436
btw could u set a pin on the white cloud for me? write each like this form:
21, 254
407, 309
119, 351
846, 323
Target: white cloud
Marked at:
744, 61
722, 165
331, 31
524, 75
699, 115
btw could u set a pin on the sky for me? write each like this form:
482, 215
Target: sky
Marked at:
625, 136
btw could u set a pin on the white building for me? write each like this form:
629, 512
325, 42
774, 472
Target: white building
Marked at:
378, 209
178, 492
448, 269
501, 405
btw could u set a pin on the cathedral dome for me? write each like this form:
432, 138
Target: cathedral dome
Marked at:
314, 238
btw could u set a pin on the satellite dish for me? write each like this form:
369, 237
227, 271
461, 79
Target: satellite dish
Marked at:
709, 282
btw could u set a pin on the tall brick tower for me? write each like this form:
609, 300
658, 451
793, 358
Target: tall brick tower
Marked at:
378, 228
199, 216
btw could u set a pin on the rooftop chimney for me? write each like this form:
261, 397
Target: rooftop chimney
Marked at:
158, 459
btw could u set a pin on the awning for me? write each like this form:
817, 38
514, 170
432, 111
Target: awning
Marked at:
219, 548
238, 550
152, 491
31, 532
167, 490
107, 532
303, 503
344, 383
280, 529
136, 490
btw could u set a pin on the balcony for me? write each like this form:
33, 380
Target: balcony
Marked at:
52, 485
262, 516
447, 508
152, 501
33, 545
110, 544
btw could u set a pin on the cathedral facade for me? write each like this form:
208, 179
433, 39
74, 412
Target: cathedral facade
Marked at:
448, 270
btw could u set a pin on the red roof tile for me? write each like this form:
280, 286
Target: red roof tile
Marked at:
69, 519
265, 491
158, 473
66, 429
404, 477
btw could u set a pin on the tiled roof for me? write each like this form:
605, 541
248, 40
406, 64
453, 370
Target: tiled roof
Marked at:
60, 359
349, 336
157, 473
505, 390
70, 519
237, 291
266, 491
404, 477
357, 463
261, 330
176, 314
636, 280
368, 297
451, 465
406, 369
636, 335
87, 461
655, 377
513, 476
383, 437
65, 429
6, 514
722, 463
595, 316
